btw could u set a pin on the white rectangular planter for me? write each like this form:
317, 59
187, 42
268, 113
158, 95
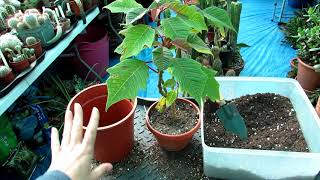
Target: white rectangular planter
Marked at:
233, 163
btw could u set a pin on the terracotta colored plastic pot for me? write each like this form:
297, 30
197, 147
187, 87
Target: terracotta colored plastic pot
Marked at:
307, 77
37, 48
32, 59
293, 62
19, 66
8, 78
115, 135
318, 107
75, 8
173, 142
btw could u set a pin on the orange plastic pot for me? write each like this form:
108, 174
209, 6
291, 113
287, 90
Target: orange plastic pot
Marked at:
307, 77
173, 142
19, 66
8, 78
37, 48
115, 134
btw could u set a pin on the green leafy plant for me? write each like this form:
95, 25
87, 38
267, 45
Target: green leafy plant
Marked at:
308, 39
172, 41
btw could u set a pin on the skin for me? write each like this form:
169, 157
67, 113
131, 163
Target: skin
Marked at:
73, 156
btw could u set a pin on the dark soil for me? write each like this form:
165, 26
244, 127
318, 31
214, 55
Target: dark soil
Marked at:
174, 120
271, 122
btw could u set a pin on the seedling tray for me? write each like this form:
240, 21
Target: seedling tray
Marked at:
4, 90
148, 161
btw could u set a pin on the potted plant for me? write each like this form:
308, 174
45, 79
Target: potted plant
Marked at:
5, 12
20, 58
35, 44
6, 75
308, 42
179, 35
236, 160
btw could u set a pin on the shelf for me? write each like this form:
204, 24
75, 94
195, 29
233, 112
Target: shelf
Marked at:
51, 55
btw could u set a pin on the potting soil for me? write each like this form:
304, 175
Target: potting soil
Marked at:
271, 122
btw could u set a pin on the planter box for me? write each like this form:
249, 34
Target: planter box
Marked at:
233, 163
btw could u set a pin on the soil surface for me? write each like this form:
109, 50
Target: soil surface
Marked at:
174, 120
271, 122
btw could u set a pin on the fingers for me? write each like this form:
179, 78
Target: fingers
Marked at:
99, 171
55, 144
76, 132
67, 129
91, 132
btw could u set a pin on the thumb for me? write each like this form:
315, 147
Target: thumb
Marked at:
99, 171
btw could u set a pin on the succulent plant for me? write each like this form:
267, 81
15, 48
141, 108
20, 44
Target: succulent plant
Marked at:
31, 21
217, 66
21, 53
31, 40
13, 22
4, 70
230, 72
9, 41
10, 9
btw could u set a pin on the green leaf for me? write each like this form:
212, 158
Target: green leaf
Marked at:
218, 17
161, 104
135, 14
211, 89
242, 45
191, 13
126, 78
136, 38
123, 6
171, 98
190, 77
162, 58
170, 83
196, 43
175, 27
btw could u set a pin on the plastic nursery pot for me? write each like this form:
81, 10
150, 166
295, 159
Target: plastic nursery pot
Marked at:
294, 63
307, 77
173, 142
115, 135
32, 59
243, 164
8, 78
226, 58
318, 107
75, 8
19, 66
37, 48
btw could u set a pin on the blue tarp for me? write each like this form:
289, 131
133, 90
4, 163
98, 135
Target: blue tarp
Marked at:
268, 55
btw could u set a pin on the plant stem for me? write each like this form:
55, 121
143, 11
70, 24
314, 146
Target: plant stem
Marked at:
152, 69
160, 84
178, 55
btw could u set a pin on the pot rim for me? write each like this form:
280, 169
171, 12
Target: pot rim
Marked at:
304, 64
111, 125
179, 135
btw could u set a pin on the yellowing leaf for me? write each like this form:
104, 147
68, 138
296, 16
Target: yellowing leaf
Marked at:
123, 6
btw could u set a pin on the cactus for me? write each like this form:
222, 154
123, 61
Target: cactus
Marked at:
28, 53
230, 72
22, 26
217, 66
4, 70
32, 11
31, 40
50, 13
9, 41
22, 54
2, 24
13, 22
31, 21
11, 10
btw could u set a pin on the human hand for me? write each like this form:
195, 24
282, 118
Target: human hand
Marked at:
74, 155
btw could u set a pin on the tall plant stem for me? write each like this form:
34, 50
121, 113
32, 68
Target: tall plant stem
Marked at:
162, 92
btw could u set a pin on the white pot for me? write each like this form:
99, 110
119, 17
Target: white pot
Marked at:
233, 163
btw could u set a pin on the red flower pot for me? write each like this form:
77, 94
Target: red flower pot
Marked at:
307, 77
37, 48
115, 135
75, 8
173, 142
32, 59
19, 66
8, 78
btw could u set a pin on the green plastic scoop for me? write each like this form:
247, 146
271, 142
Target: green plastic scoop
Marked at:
232, 119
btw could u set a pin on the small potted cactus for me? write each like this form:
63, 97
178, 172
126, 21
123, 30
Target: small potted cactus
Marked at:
20, 59
35, 24
6, 74
33, 43
5, 12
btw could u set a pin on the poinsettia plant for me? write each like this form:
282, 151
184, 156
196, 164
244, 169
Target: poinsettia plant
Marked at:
178, 33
